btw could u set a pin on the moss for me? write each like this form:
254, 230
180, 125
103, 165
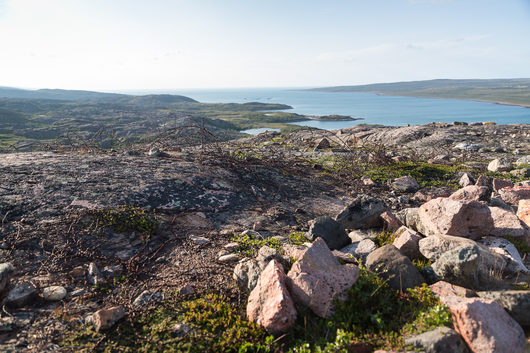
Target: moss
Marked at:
384, 238
126, 219
520, 244
216, 327
250, 244
420, 264
297, 238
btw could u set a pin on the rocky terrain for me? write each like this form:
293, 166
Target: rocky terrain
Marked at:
364, 239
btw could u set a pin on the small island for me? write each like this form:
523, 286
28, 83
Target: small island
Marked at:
333, 117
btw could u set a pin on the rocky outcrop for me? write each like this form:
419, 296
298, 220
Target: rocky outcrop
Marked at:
270, 303
318, 278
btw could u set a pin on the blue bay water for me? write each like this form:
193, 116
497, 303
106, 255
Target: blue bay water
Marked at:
374, 109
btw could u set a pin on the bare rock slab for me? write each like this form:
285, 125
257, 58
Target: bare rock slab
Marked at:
469, 219
485, 326
270, 303
318, 278
394, 267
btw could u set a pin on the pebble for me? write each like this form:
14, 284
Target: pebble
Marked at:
54, 293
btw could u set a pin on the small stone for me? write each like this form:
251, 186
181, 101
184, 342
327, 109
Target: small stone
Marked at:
228, 258
146, 297
391, 221
428, 194
106, 318
231, 246
182, 329
198, 240
154, 152
466, 179
54, 293
94, 276
405, 184
500, 165
246, 273
21, 295
407, 242
6, 271
78, 271
523, 160
186, 290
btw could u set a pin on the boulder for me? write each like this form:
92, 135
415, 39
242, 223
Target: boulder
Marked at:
394, 267
439, 340
472, 193
409, 217
469, 219
318, 278
266, 254
466, 179
392, 223
523, 212
446, 289
427, 194
361, 249
485, 326
498, 184
434, 246
407, 242
23, 294
507, 223
500, 165
106, 318
513, 195
515, 302
331, 231
363, 212
405, 184
54, 293
503, 247
270, 303
522, 161
470, 266
246, 273
484, 181
6, 271
294, 251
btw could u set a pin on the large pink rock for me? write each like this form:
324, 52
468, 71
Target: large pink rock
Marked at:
318, 278
501, 184
523, 211
446, 289
407, 242
472, 193
469, 219
485, 326
270, 303
507, 223
392, 223
515, 194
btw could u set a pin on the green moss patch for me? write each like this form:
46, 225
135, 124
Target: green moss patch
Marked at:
126, 219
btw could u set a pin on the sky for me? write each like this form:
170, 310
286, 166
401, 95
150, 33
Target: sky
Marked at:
114, 45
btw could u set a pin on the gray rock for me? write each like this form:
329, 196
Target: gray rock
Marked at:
357, 235
521, 173
410, 218
228, 258
146, 297
500, 165
471, 266
246, 273
363, 212
405, 184
466, 179
439, 340
434, 246
360, 249
394, 267
266, 254
21, 295
94, 276
515, 302
54, 293
6, 271
522, 160
331, 231
503, 247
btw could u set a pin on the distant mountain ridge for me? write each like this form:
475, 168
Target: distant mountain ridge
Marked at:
514, 91
92, 96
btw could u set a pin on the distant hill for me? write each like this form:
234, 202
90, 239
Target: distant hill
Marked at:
77, 95
504, 91
11, 117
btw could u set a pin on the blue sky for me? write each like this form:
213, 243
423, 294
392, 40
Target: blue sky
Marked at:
162, 44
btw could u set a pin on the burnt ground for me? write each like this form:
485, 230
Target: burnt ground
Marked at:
273, 183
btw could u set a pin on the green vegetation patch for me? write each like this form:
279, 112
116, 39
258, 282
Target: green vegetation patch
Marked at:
215, 327
126, 219
249, 244
426, 174
520, 244
373, 315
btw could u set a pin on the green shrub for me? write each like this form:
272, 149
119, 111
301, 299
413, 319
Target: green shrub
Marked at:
126, 219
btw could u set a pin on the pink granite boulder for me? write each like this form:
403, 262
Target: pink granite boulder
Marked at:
469, 219
472, 193
507, 223
407, 242
270, 303
317, 279
515, 194
485, 326
523, 211
392, 223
